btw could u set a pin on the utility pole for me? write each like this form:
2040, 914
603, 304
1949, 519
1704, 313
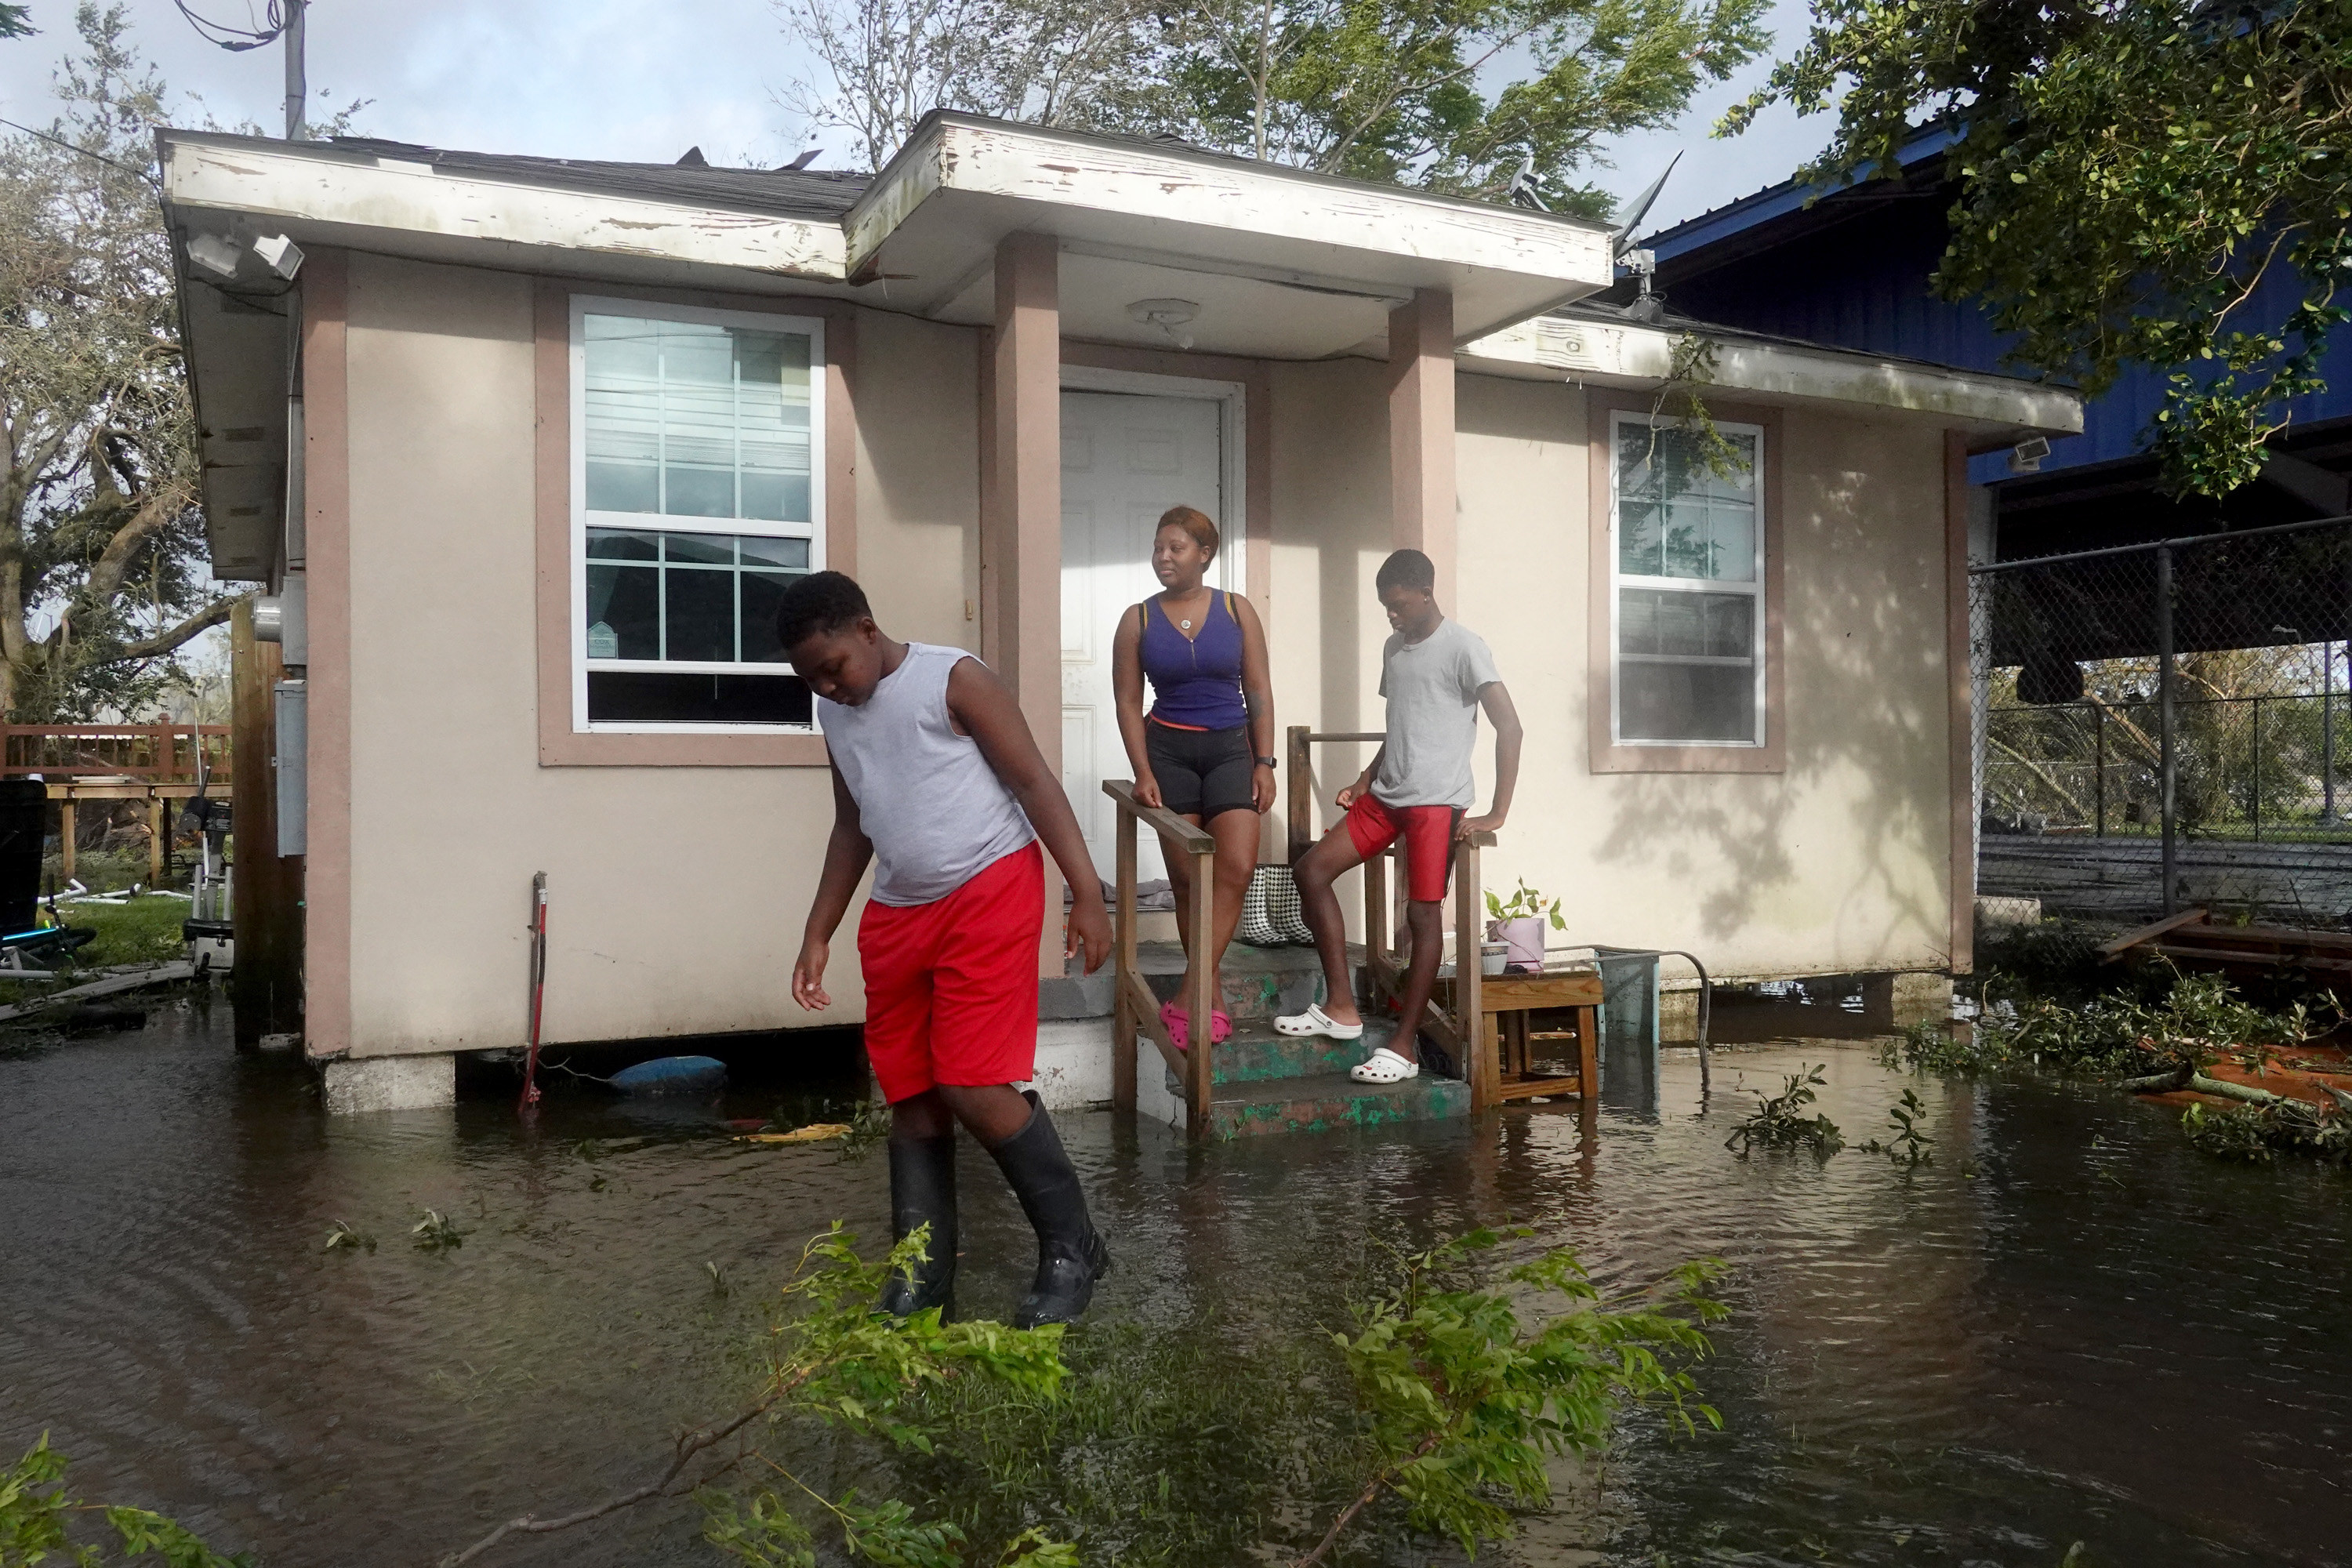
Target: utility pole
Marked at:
298, 89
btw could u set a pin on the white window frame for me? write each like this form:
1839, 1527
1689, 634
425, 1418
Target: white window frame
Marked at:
1619, 422
583, 519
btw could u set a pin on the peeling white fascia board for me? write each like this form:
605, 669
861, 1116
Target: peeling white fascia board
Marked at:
417, 198
1089, 173
1645, 354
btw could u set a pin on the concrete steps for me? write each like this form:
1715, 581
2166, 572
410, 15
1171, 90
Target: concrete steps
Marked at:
1266, 1082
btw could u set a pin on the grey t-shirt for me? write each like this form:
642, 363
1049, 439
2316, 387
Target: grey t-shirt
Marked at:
1431, 687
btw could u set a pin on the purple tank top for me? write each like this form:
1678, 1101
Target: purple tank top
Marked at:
1196, 682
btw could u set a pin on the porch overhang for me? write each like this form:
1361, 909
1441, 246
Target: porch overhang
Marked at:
1992, 411
1278, 263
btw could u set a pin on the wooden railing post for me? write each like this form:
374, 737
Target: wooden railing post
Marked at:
1201, 1005
1472, 1026
1123, 1020
1302, 791
1137, 1009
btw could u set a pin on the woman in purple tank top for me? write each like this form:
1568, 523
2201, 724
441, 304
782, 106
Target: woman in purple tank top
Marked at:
1205, 751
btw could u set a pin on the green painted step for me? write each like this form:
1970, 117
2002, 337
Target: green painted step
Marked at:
1327, 1102
1256, 1053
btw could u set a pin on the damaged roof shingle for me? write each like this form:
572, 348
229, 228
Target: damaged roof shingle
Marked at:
820, 194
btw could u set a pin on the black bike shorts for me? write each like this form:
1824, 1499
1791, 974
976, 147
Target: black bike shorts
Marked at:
1201, 773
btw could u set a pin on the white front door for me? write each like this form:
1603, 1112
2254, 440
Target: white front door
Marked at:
1125, 460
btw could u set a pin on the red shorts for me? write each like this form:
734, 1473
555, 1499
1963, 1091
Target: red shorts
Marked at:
951, 986
1428, 835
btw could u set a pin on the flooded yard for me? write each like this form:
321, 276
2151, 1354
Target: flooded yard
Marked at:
2070, 1326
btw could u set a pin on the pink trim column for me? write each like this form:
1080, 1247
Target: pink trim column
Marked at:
327, 1022
1021, 513
1421, 432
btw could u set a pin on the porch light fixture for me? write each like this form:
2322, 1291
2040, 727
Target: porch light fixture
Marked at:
1170, 316
2025, 458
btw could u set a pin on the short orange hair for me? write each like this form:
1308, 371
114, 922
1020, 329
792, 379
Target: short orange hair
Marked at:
1192, 521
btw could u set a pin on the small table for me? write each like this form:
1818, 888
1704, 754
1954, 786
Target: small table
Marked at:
1504, 1067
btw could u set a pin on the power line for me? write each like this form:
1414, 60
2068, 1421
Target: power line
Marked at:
236, 40
85, 151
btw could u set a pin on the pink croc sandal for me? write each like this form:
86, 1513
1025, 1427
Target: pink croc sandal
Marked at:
1220, 1026
1179, 1023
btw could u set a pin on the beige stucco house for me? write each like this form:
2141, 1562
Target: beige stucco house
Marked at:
525, 448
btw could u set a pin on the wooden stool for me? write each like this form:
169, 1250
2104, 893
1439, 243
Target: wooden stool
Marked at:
1505, 1069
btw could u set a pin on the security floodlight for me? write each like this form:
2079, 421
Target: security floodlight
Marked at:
280, 254
215, 253
2025, 458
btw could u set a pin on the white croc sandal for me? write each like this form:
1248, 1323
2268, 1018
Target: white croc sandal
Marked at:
1384, 1066
1314, 1021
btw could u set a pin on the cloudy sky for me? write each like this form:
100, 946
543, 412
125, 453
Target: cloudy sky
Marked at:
645, 79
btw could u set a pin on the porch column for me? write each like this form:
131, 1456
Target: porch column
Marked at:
1021, 512
1421, 433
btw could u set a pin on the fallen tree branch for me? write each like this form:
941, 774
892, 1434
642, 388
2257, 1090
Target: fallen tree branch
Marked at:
2159, 1083
691, 1443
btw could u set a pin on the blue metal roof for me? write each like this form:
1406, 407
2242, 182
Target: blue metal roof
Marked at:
1853, 268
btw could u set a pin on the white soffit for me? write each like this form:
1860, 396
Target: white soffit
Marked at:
963, 183
356, 193
1553, 348
1235, 315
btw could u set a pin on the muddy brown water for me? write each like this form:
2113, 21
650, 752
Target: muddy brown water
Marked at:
2070, 1327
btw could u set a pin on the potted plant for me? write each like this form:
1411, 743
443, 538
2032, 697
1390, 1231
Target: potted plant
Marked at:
1518, 924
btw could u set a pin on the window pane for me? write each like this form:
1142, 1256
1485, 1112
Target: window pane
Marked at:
1685, 702
689, 419
624, 434
701, 611
1677, 516
659, 697
1661, 621
763, 596
709, 549
613, 545
791, 553
623, 612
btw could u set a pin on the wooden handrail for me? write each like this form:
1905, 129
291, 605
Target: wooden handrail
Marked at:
1190, 839
1132, 1005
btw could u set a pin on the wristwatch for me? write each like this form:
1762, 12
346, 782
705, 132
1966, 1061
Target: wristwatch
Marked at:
1265, 762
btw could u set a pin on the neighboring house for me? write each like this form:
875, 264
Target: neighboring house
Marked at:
560, 430
1853, 268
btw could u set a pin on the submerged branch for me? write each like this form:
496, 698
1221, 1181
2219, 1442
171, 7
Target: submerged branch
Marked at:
693, 1443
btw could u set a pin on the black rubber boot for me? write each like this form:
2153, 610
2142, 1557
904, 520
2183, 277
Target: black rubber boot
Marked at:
1071, 1255
922, 1188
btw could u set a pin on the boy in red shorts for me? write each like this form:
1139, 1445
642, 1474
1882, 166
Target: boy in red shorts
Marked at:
936, 780
1436, 674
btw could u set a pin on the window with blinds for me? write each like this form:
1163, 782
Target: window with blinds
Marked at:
1688, 536
697, 436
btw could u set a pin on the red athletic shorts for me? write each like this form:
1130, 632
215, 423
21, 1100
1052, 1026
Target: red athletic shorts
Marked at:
951, 986
1428, 835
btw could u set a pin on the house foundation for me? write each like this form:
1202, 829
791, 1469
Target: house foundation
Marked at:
388, 1083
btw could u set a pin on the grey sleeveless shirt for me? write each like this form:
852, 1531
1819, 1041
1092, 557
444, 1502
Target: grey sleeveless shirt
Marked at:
935, 811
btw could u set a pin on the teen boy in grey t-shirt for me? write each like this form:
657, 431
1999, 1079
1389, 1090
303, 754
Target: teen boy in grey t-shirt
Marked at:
1436, 675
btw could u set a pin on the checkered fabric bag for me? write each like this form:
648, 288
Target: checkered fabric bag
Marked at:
1270, 912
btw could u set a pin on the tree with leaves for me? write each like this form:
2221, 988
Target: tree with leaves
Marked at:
887, 63
102, 574
16, 22
1462, 96
2160, 183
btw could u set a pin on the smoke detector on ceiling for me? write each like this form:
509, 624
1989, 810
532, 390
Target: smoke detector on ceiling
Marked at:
1170, 316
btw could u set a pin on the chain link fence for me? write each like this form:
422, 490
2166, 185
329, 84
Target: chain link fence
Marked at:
2170, 724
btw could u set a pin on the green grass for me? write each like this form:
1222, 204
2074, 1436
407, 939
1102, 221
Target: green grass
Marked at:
144, 931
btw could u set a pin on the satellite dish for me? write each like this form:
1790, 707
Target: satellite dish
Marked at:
1622, 225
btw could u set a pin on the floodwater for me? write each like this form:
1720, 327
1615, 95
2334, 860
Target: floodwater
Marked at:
2071, 1326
